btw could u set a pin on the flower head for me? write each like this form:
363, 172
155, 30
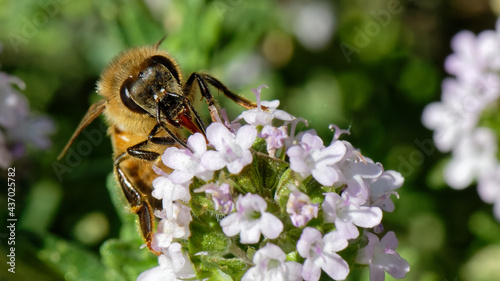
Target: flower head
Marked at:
256, 202
459, 120
19, 125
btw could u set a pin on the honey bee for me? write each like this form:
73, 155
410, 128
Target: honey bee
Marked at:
146, 106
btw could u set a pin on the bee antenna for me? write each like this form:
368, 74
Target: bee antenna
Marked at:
159, 42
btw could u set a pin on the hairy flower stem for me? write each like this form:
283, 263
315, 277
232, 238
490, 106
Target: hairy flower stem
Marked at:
239, 253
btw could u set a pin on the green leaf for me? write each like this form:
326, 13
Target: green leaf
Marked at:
269, 171
221, 267
246, 181
206, 235
219, 275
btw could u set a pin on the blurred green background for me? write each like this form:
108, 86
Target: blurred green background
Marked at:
368, 65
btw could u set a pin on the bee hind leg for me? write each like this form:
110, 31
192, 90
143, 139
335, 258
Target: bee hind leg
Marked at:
138, 203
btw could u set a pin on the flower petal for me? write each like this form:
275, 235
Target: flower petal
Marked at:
230, 225
325, 175
271, 226
311, 271
213, 161
366, 217
334, 266
246, 136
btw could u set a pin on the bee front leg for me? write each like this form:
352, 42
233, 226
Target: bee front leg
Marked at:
203, 80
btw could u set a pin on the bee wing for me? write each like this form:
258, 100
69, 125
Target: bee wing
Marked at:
94, 111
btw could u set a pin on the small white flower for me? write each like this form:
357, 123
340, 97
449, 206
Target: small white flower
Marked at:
474, 155
221, 196
456, 113
173, 265
488, 189
232, 151
258, 116
347, 212
275, 138
320, 254
473, 55
251, 219
356, 170
311, 157
186, 163
174, 227
270, 265
300, 208
383, 187
380, 255
169, 192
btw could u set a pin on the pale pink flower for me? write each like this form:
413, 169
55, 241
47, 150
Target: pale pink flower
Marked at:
186, 162
347, 213
311, 157
251, 219
300, 208
320, 254
271, 265
232, 151
381, 256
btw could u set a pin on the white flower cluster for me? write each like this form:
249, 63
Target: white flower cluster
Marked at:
350, 191
18, 126
462, 120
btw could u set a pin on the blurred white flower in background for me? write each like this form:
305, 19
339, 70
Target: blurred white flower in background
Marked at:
459, 120
314, 24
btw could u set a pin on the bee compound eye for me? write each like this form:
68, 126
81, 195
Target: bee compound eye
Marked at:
169, 64
127, 99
